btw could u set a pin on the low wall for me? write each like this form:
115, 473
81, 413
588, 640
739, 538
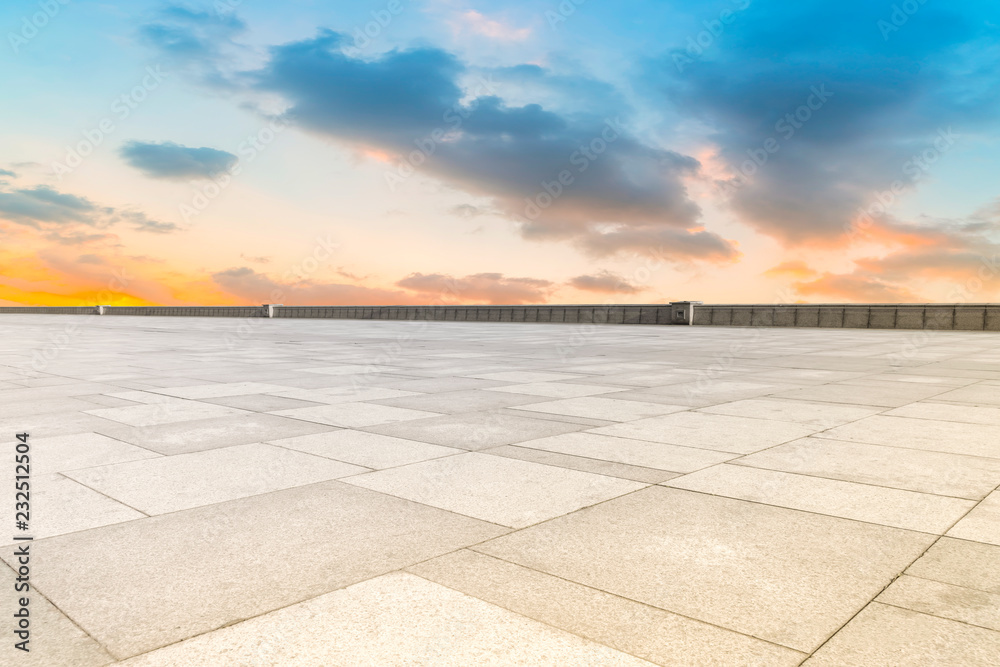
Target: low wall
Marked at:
951, 317
955, 317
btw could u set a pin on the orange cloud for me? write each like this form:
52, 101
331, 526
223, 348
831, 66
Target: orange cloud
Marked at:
794, 269
856, 288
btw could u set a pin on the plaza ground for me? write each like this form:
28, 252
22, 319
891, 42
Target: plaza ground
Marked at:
343, 492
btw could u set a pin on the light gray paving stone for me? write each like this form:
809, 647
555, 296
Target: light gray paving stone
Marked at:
557, 389
528, 376
630, 451
951, 412
477, 430
724, 433
875, 504
238, 559
352, 415
217, 390
884, 396
60, 505
455, 402
653, 634
820, 415
596, 466
788, 577
608, 409
54, 640
370, 450
504, 491
196, 436
395, 619
164, 413
970, 477
927, 434
172, 483
886, 636
82, 450
261, 402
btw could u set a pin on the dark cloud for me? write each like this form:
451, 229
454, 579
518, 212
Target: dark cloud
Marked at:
8, 173
493, 288
91, 259
604, 282
176, 162
889, 97
411, 105
200, 43
70, 218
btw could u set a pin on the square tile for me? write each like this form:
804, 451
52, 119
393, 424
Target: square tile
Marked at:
261, 402
505, 491
557, 389
739, 435
970, 477
886, 636
196, 436
653, 634
454, 402
244, 558
477, 430
164, 413
395, 619
596, 466
370, 450
927, 434
962, 563
83, 450
630, 451
945, 601
982, 524
528, 376
172, 483
819, 415
861, 502
353, 415
607, 409
60, 505
951, 412
788, 577
54, 639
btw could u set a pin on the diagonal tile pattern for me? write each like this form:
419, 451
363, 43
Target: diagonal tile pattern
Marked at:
479, 493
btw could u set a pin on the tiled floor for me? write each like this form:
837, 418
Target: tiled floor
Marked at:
309, 492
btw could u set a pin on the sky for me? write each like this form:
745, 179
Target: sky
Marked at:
503, 152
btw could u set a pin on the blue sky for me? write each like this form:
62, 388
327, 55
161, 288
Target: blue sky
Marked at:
505, 152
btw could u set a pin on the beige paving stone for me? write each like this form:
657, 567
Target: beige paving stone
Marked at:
608, 409
204, 434
477, 430
504, 491
454, 402
884, 396
27, 408
709, 390
172, 483
984, 395
596, 466
781, 575
951, 412
217, 390
958, 603
861, 502
528, 376
55, 641
261, 402
887, 636
164, 413
630, 451
83, 450
962, 563
739, 435
52, 424
352, 415
370, 450
927, 434
659, 636
348, 394
820, 415
557, 389
60, 505
970, 477
395, 619
982, 524
144, 584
